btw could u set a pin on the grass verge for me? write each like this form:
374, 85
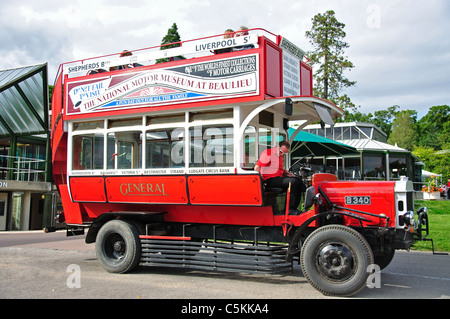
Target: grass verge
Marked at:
439, 218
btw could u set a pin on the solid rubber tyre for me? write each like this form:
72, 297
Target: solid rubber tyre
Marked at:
334, 260
118, 246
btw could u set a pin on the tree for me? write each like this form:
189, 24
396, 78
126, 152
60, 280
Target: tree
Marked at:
327, 36
435, 161
170, 40
351, 111
434, 128
403, 130
50, 96
384, 118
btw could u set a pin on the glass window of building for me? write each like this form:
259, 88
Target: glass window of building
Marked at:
334, 166
316, 165
329, 133
338, 133
352, 169
398, 166
367, 131
355, 133
346, 133
374, 167
321, 132
378, 136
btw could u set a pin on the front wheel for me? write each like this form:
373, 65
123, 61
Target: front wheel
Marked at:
334, 260
118, 246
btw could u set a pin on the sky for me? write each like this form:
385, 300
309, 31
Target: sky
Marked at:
400, 48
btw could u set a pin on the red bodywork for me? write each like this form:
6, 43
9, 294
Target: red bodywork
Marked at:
236, 199
214, 199
381, 194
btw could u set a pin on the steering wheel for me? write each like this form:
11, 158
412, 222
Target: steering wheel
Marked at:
303, 167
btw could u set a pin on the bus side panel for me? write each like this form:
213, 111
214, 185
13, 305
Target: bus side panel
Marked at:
376, 197
306, 87
88, 189
59, 138
147, 189
57, 104
190, 214
220, 215
72, 211
225, 190
273, 70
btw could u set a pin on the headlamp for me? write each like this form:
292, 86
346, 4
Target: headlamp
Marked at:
408, 218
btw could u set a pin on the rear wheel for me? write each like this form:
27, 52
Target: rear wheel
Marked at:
334, 260
118, 246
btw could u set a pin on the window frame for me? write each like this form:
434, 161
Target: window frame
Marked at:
143, 127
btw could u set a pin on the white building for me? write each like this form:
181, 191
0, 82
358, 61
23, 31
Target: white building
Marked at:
374, 159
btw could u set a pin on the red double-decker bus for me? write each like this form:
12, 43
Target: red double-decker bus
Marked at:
157, 160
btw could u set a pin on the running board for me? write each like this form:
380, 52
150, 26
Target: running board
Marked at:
221, 256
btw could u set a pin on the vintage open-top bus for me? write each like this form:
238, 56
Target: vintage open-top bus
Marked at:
157, 159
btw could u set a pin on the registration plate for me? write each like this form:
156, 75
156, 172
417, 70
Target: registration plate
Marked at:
357, 200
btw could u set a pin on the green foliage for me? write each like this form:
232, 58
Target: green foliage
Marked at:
384, 118
50, 96
170, 41
403, 131
431, 132
435, 161
327, 36
434, 129
428, 138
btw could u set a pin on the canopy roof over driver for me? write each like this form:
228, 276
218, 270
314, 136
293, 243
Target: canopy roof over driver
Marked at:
306, 109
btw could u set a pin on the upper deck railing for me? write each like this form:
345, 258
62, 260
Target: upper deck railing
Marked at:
188, 49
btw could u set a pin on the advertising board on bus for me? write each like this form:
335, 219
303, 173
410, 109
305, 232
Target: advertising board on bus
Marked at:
152, 87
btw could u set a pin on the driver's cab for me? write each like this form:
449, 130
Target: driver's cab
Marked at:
265, 126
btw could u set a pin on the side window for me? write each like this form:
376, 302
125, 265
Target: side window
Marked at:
212, 146
124, 150
249, 147
87, 152
165, 148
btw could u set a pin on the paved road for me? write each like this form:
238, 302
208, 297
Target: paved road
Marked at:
35, 265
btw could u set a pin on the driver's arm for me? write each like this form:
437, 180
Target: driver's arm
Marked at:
287, 173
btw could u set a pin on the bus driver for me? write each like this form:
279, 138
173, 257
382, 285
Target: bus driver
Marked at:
270, 166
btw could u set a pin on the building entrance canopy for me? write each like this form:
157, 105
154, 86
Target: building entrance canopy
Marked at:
310, 144
24, 124
24, 101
